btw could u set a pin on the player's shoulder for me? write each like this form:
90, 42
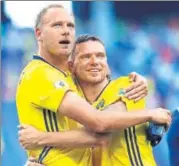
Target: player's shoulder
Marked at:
121, 81
116, 85
40, 70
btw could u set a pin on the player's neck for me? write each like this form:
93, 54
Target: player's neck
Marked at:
92, 91
60, 63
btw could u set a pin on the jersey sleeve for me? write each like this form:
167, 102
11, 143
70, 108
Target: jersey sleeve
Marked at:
130, 104
48, 89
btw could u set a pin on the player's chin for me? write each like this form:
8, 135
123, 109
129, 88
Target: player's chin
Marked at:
65, 52
95, 80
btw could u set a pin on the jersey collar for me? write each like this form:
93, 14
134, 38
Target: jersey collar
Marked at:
36, 57
77, 83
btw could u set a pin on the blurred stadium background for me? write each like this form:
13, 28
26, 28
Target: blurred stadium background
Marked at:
139, 36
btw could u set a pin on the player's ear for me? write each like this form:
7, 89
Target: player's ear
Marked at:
108, 70
38, 34
108, 73
70, 65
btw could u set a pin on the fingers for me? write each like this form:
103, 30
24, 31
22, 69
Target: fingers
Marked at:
135, 85
29, 163
32, 159
21, 138
20, 134
22, 143
134, 94
167, 125
137, 92
22, 126
169, 120
140, 97
131, 87
139, 85
168, 112
132, 76
162, 116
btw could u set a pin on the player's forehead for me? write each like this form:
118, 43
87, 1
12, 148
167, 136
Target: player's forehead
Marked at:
57, 14
90, 47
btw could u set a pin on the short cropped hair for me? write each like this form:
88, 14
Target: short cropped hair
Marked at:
40, 16
82, 39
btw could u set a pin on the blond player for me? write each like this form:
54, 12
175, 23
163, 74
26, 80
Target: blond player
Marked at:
89, 65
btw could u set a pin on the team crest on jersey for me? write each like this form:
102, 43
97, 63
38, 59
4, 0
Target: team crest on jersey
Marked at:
60, 84
121, 92
100, 104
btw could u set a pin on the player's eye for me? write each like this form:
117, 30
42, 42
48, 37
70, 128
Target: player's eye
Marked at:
57, 25
71, 25
87, 56
100, 55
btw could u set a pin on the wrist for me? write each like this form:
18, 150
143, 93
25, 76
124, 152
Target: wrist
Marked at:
42, 138
149, 115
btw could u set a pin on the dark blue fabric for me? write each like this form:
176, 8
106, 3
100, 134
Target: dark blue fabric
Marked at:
173, 140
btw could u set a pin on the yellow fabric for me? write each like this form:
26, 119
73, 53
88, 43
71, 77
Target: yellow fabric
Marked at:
132, 139
40, 91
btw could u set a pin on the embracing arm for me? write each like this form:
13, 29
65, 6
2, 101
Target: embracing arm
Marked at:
31, 138
78, 109
79, 138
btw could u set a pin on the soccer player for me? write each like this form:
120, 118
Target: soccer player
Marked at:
89, 66
47, 98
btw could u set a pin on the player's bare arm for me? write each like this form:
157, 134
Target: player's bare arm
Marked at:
31, 138
127, 121
104, 121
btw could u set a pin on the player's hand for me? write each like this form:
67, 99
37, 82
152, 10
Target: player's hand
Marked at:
32, 162
29, 136
139, 87
161, 116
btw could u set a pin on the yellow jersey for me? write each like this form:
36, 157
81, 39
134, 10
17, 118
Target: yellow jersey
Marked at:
40, 90
127, 147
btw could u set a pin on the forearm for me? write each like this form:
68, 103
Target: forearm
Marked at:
121, 120
100, 121
79, 138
